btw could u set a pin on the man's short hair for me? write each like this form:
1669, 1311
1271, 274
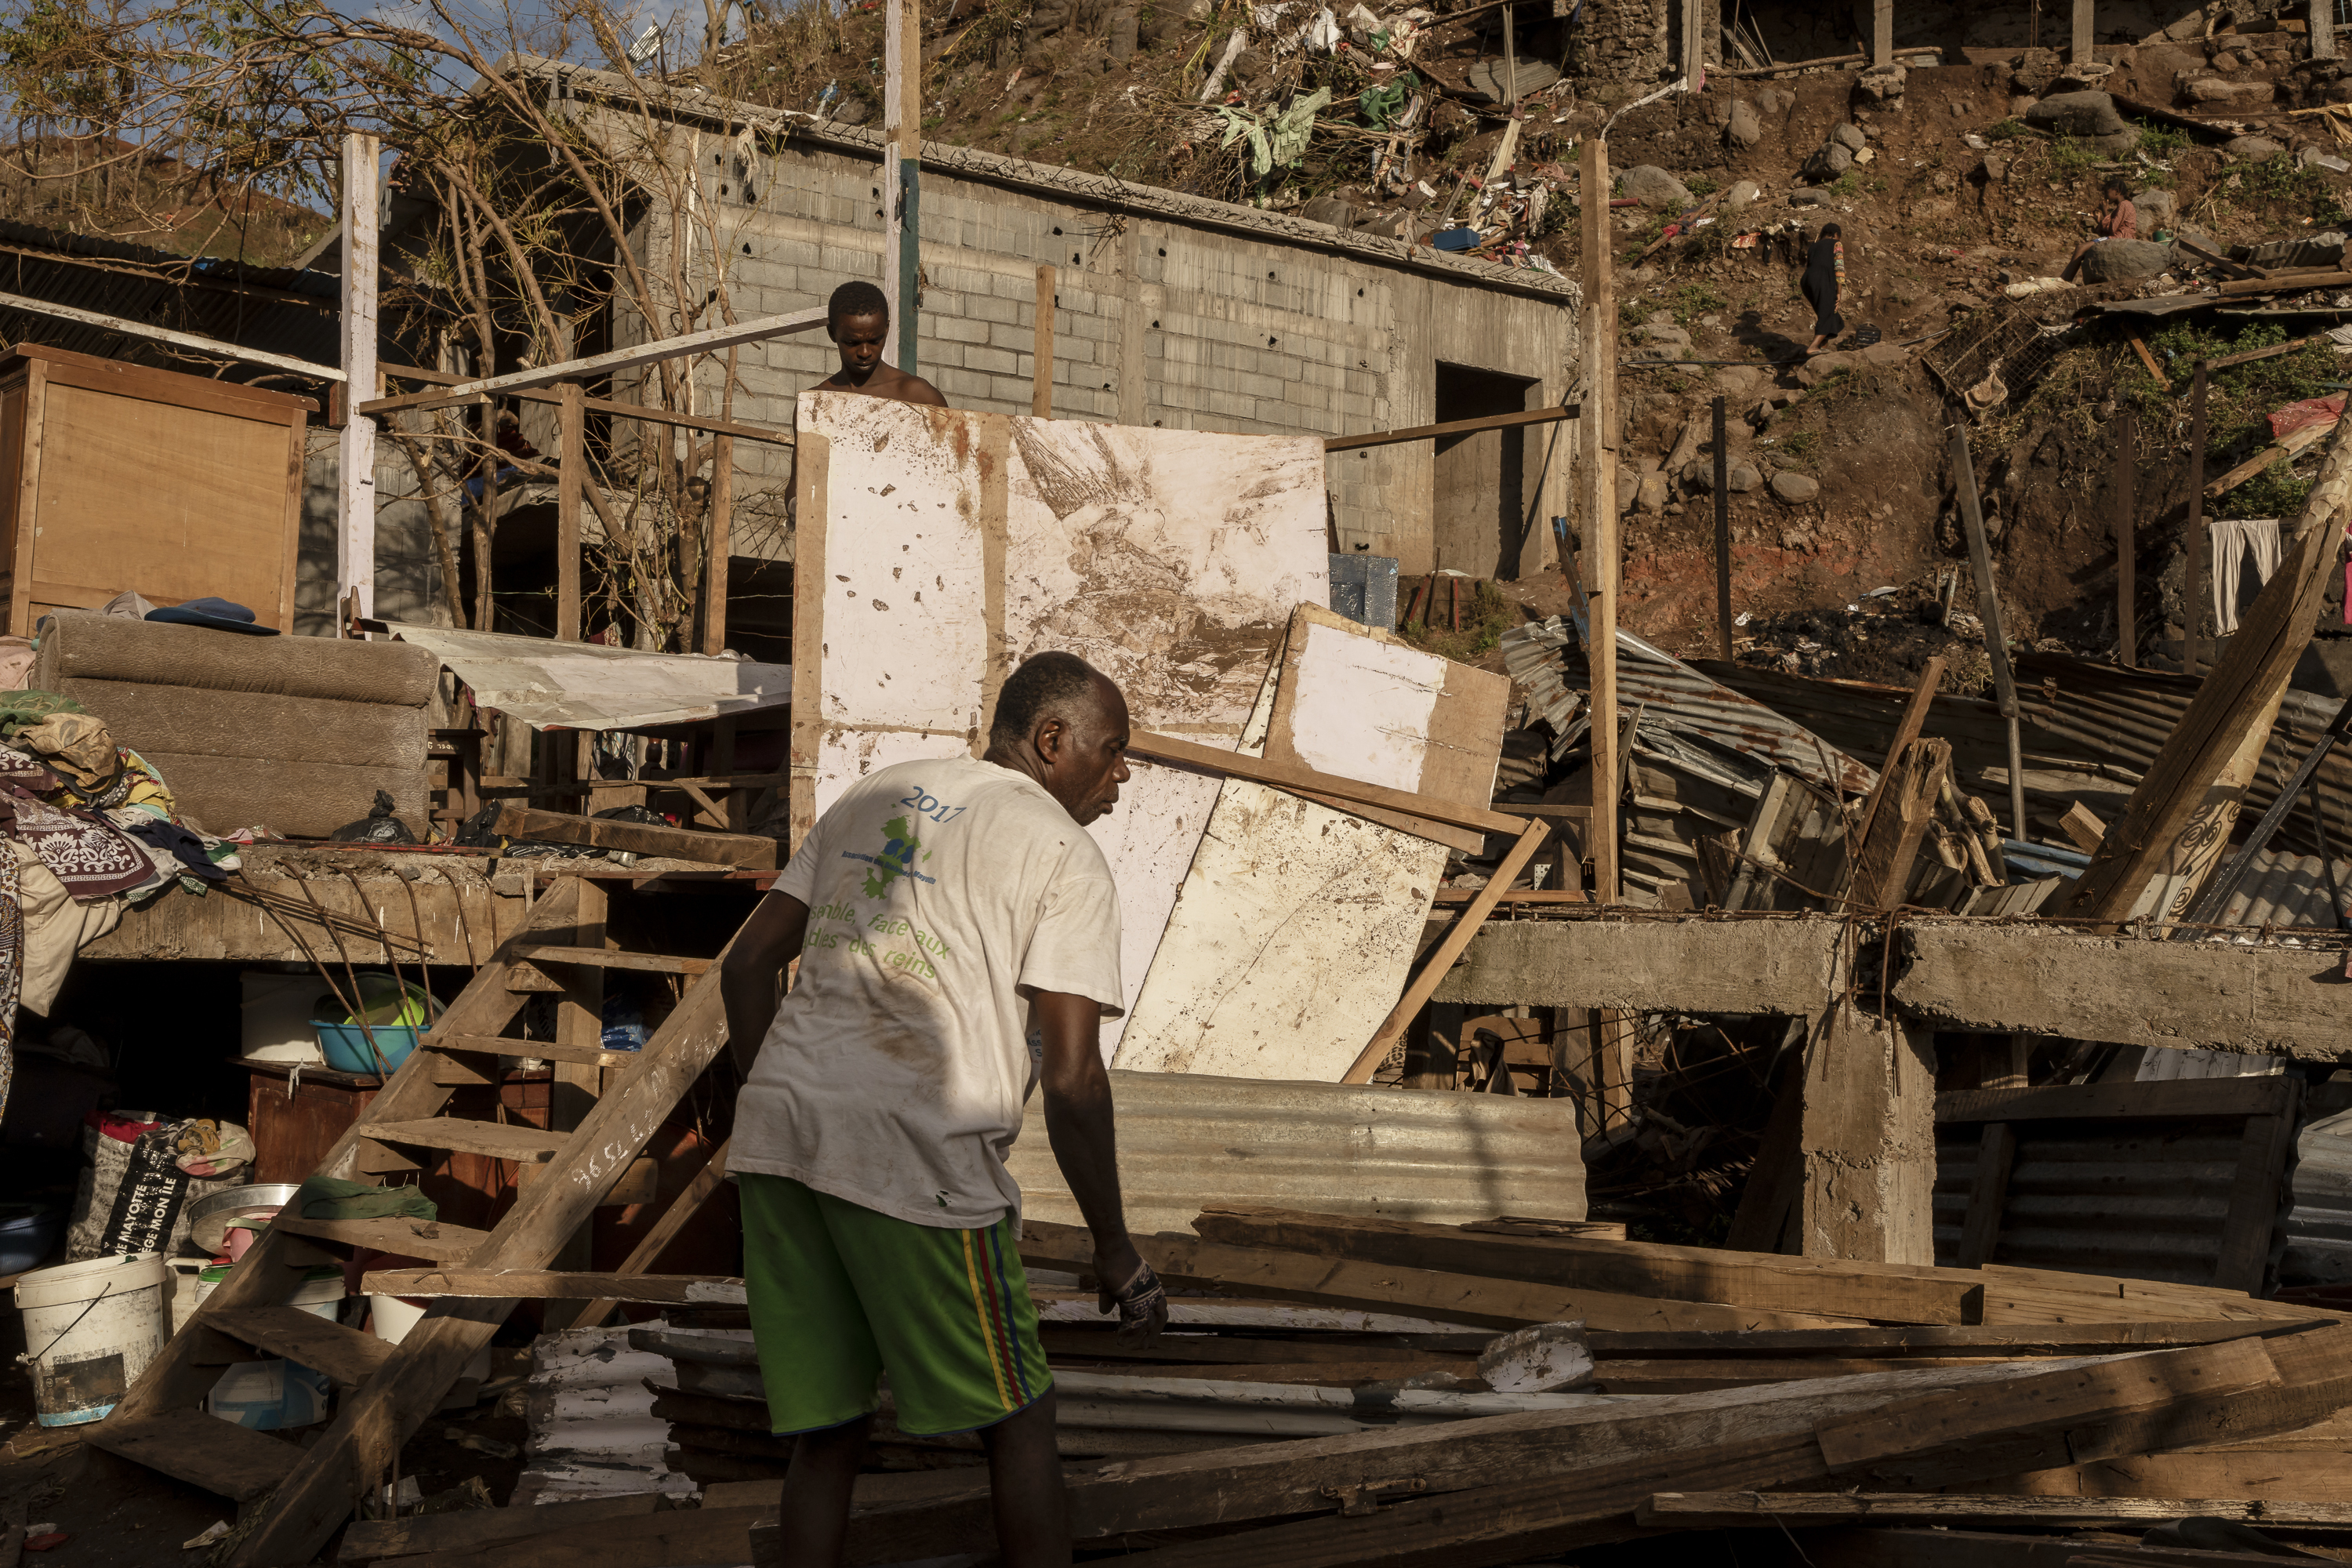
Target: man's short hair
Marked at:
1046, 683
853, 299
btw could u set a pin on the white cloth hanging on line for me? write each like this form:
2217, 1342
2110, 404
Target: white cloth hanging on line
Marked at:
2233, 537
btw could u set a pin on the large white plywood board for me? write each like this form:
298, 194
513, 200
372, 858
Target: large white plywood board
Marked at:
950, 546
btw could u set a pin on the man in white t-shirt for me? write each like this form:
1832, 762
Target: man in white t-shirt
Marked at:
957, 937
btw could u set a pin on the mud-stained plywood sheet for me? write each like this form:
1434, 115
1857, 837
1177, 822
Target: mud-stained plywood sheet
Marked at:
1295, 929
950, 546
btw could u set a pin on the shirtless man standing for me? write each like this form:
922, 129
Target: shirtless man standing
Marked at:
857, 319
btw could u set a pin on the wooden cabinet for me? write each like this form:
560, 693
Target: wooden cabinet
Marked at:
117, 476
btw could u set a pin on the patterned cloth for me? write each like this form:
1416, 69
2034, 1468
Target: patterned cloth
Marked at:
12, 969
94, 859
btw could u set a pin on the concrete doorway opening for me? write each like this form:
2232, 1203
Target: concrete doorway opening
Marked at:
1480, 495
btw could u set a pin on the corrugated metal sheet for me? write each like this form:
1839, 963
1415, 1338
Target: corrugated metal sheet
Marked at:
2286, 890
2137, 1200
1676, 696
586, 686
159, 289
1185, 1139
2319, 1216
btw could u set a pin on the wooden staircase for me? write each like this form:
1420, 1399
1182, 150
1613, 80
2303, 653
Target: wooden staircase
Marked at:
302, 1494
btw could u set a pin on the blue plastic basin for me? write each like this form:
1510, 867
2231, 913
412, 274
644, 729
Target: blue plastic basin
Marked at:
345, 1046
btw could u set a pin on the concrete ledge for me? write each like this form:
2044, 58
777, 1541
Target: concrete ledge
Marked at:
2264, 998
1698, 966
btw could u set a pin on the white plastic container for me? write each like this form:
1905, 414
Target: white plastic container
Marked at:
268, 1395
90, 1329
390, 1319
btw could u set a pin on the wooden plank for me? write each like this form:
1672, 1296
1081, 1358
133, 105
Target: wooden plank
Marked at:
711, 340
1734, 1511
540, 1284
570, 483
1908, 795
1598, 441
720, 545
682, 1538
647, 1252
721, 848
374, 1539
1441, 959
2266, 1096
1452, 427
671, 417
1443, 1297
309, 369
1907, 730
2002, 1339
1981, 1232
347, 1355
500, 1140
2082, 825
1041, 353
612, 958
1339, 792
357, 333
547, 1050
2288, 282
194, 1446
2099, 1391
2139, 345
1775, 1284
1888, 1548
436, 1240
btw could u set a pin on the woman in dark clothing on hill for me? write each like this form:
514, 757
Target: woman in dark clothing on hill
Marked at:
1825, 279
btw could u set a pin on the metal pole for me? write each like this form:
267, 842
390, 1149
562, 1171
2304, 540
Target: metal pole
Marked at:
1722, 534
2126, 544
2192, 589
2004, 681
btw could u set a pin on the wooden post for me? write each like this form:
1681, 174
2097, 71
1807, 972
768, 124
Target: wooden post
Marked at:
1881, 33
2004, 681
571, 475
2192, 544
721, 536
1599, 568
355, 472
2323, 30
1722, 535
902, 129
2084, 52
579, 1021
1510, 63
2127, 543
1980, 1231
1694, 42
1041, 360
1868, 1137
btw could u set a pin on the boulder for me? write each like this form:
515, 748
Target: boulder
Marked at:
2254, 149
1743, 192
2125, 261
1775, 101
2076, 115
1743, 127
1329, 209
1654, 187
1742, 479
1882, 356
1806, 196
1881, 86
1654, 491
1849, 136
1827, 163
1735, 382
1122, 37
2157, 210
1794, 488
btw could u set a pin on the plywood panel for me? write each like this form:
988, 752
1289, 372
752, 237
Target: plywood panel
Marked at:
956, 544
178, 503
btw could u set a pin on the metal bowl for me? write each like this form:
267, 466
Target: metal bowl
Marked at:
209, 1219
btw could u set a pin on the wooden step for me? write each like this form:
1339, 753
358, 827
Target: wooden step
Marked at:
434, 1238
202, 1450
346, 1356
546, 1050
500, 1140
612, 958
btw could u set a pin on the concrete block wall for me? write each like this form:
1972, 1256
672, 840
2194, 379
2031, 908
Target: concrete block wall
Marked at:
1230, 319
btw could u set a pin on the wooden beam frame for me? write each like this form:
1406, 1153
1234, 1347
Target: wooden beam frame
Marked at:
355, 465
711, 340
762, 433
190, 341
1452, 427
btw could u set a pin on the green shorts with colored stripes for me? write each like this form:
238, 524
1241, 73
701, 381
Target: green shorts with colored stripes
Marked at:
840, 1294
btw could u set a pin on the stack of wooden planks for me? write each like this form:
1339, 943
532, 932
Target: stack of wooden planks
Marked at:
1317, 1402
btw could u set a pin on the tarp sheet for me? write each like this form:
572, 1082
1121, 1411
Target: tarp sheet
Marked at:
586, 686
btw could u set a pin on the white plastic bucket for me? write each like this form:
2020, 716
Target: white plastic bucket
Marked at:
390, 1319
90, 1329
270, 1395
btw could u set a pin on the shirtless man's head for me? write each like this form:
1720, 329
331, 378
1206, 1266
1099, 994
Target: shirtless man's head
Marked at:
857, 319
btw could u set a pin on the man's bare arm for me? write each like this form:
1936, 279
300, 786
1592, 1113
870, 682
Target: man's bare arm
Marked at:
1078, 1123
750, 979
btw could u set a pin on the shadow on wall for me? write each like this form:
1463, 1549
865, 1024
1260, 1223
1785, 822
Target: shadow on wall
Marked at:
407, 579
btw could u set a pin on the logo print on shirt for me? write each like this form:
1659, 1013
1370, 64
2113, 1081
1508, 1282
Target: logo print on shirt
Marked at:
897, 859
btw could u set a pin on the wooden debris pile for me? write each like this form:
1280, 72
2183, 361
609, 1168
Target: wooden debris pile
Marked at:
1331, 1391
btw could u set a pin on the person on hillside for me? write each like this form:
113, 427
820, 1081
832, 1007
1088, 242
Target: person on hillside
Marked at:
2118, 219
1823, 281
957, 930
857, 319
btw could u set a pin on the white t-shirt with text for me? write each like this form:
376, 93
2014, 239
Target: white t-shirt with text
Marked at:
941, 895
